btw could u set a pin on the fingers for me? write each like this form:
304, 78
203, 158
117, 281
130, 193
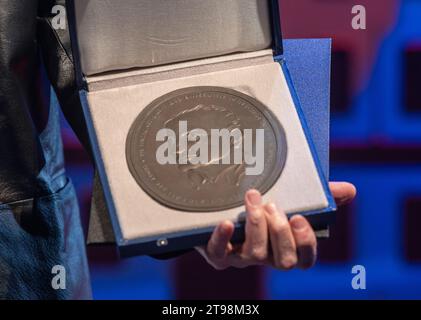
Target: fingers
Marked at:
343, 192
293, 242
305, 241
219, 245
256, 243
282, 239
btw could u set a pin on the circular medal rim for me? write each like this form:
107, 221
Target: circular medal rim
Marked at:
266, 186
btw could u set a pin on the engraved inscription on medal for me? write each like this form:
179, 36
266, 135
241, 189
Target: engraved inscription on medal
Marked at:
200, 149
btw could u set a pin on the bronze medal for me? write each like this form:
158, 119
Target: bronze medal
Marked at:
218, 182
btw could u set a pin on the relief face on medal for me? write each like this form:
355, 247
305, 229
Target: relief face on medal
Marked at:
201, 148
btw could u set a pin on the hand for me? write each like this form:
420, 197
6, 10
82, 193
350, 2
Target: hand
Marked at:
270, 238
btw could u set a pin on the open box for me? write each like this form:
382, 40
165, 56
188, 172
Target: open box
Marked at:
129, 53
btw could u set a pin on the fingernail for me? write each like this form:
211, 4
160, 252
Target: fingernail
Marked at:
271, 208
254, 198
222, 229
298, 224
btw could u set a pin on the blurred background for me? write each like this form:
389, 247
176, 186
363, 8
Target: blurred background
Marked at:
376, 144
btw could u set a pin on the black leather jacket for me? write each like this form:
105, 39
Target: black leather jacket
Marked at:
27, 38
39, 217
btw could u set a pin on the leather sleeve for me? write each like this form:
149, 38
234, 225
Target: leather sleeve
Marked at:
58, 59
20, 102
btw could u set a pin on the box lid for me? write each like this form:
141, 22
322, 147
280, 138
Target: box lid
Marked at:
112, 36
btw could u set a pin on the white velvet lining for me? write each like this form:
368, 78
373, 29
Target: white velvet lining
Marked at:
178, 70
118, 35
114, 110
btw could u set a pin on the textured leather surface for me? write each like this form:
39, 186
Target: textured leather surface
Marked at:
39, 215
58, 59
21, 156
